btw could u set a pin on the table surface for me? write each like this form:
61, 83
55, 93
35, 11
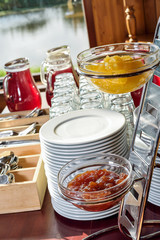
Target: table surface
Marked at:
47, 224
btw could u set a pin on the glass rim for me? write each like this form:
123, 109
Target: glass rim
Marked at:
58, 48
17, 63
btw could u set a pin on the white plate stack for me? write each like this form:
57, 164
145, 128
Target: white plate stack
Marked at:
154, 192
74, 135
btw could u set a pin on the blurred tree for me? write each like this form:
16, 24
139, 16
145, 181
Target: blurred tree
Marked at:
16, 4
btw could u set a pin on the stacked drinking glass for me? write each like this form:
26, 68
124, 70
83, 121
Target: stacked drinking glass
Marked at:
90, 98
65, 95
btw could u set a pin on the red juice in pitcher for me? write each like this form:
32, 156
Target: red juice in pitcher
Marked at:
20, 90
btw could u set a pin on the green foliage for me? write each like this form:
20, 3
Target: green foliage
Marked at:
2, 73
35, 69
8, 5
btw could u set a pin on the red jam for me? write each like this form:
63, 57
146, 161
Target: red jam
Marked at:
96, 181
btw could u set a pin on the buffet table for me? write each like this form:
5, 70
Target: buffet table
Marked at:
47, 224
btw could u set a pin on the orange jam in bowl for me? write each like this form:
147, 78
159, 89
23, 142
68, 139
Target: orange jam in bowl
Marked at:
95, 182
119, 68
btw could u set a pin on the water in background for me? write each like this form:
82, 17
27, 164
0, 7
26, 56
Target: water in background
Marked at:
33, 33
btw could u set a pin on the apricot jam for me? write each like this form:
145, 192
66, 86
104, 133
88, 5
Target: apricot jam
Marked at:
95, 180
96, 190
113, 65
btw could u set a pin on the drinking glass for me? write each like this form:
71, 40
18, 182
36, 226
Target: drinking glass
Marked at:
58, 61
90, 97
20, 90
124, 104
65, 95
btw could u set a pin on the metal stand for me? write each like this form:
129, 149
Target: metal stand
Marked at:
148, 123
132, 208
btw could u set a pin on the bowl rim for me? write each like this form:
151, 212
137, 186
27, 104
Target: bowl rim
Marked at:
81, 62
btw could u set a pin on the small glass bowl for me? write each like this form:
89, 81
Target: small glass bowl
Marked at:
114, 75
95, 200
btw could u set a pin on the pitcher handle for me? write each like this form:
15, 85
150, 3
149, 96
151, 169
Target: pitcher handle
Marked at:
42, 73
50, 84
5, 85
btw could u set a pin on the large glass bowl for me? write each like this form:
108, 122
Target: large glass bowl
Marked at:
132, 66
95, 200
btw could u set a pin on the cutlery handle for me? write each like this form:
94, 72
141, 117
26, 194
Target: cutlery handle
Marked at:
19, 142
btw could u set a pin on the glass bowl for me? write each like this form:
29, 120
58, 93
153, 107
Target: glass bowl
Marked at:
95, 200
119, 68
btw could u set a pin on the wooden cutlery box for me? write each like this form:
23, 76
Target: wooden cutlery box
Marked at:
27, 193
28, 190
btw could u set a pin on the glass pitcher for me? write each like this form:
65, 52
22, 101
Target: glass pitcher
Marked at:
58, 61
20, 90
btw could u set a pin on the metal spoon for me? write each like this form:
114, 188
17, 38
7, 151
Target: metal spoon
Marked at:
4, 168
7, 178
6, 157
4, 179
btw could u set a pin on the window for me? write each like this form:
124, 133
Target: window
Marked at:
30, 28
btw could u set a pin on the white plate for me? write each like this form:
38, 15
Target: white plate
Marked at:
109, 140
154, 201
155, 183
154, 192
61, 204
55, 160
68, 212
116, 141
52, 168
82, 126
84, 217
70, 155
